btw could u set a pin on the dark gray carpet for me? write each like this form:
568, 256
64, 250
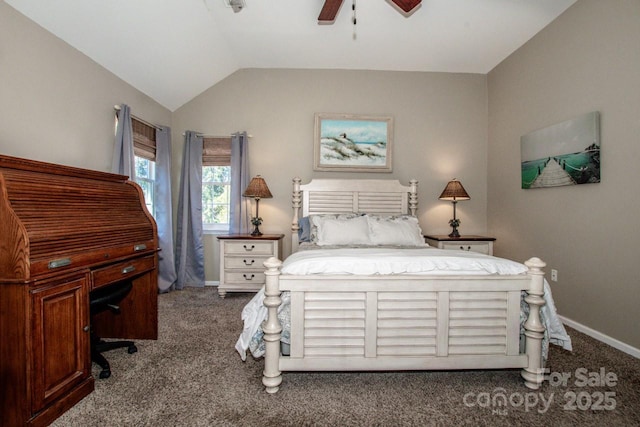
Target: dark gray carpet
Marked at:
192, 376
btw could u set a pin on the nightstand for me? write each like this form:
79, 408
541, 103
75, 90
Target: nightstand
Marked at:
241, 261
481, 244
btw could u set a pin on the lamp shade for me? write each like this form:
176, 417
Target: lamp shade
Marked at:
454, 191
257, 189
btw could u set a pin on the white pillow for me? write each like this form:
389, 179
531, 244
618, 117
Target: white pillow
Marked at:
314, 220
400, 231
339, 231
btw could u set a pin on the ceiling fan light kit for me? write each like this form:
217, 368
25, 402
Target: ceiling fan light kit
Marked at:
331, 8
236, 5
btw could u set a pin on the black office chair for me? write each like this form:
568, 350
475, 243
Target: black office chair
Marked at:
101, 299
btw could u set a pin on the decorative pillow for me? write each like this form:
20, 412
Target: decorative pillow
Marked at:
339, 231
304, 229
395, 230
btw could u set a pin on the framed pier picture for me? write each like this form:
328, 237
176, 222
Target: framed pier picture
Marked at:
566, 153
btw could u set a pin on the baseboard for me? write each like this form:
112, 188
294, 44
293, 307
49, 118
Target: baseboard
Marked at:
215, 283
601, 337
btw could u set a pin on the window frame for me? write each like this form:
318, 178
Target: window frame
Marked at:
217, 228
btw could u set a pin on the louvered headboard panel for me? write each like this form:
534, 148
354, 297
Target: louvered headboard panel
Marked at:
323, 196
319, 202
374, 196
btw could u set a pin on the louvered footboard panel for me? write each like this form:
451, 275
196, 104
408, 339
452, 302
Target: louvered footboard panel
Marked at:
407, 324
477, 323
334, 324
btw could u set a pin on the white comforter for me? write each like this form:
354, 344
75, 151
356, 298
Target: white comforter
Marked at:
422, 260
384, 261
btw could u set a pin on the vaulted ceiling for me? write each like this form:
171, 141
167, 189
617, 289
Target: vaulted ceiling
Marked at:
173, 50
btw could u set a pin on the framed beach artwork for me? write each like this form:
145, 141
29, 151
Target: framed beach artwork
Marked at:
566, 153
350, 143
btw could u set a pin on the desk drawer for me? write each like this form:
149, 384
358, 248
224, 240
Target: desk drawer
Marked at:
121, 271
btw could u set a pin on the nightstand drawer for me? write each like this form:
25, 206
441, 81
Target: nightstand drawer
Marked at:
479, 244
483, 248
246, 277
245, 262
248, 247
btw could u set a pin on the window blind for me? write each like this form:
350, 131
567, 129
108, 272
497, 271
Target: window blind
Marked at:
144, 140
216, 151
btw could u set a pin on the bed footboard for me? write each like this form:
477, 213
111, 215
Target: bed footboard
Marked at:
385, 323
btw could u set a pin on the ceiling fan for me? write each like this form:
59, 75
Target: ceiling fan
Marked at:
331, 7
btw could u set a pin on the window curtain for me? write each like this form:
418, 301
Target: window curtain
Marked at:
189, 246
123, 161
166, 262
124, 164
240, 207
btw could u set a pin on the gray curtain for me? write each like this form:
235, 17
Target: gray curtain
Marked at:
166, 267
124, 164
240, 212
123, 161
189, 246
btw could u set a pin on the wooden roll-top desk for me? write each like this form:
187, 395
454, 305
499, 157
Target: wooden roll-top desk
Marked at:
65, 231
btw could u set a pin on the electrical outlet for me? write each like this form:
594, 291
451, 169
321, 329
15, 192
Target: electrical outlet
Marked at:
554, 275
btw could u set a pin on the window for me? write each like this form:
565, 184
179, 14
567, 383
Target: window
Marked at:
216, 183
216, 196
145, 178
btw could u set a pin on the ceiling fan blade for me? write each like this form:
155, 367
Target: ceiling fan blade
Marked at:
329, 11
407, 5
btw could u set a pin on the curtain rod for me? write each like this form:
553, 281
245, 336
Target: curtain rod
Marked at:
117, 108
214, 136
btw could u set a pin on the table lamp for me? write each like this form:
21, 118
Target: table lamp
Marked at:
257, 189
454, 191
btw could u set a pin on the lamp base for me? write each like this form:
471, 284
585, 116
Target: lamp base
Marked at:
454, 233
256, 232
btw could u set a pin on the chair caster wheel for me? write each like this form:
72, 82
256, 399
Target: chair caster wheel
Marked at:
105, 373
132, 349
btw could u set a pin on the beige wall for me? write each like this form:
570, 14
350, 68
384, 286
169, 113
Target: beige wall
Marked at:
586, 60
440, 133
56, 104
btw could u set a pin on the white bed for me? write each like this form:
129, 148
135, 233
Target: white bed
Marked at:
445, 312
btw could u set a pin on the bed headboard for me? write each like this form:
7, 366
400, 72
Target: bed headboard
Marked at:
374, 196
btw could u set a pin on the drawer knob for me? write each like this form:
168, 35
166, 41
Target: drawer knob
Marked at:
248, 278
248, 263
463, 249
86, 328
249, 249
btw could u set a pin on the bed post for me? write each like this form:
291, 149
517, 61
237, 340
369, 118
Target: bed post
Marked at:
297, 202
413, 197
534, 329
272, 377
